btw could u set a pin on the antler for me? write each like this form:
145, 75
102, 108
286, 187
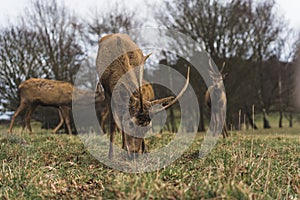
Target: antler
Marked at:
99, 87
140, 87
178, 96
223, 66
212, 71
141, 72
215, 75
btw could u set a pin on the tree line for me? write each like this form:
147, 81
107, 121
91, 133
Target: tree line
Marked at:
255, 43
257, 46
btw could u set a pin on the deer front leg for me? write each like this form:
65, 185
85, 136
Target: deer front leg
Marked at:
111, 145
103, 121
221, 124
224, 127
225, 130
215, 123
144, 147
112, 135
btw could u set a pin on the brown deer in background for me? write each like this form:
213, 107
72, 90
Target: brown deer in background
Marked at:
36, 91
216, 92
117, 55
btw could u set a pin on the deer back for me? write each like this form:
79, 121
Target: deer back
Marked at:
117, 54
46, 92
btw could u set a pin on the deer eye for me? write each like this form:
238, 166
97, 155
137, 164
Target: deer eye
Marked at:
131, 124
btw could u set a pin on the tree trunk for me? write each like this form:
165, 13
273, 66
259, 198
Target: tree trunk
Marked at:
266, 119
251, 121
280, 100
173, 121
291, 120
250, 118
280, 119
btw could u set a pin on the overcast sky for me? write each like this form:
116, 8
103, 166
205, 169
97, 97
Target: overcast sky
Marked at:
10, 9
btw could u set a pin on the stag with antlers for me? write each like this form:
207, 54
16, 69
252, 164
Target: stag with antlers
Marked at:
217, 93
119, 55
36, 91
148, 94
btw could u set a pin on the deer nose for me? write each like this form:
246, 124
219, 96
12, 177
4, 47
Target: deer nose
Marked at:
131, 124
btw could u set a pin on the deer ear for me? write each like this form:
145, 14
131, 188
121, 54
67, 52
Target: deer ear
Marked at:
224, 75
147, 56
98, 87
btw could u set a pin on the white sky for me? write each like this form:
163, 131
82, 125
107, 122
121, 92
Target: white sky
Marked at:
10, 9
290, 10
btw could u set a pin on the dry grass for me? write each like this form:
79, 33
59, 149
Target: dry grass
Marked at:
263, 165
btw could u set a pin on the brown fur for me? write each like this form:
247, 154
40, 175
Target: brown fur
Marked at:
117, 55
220, 97
147, 91
148, 94
44, 92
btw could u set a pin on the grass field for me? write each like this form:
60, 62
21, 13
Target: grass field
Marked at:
260, 165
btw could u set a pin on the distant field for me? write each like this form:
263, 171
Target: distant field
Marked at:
260, 165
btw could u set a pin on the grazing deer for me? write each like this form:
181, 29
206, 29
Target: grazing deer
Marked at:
36, 91
148, 94
117, 55
217, 93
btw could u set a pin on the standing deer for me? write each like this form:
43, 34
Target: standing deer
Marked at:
36, 91
117, 55
216, 92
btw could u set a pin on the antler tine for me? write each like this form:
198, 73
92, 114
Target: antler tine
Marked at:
141, 72
223, 66
178, 96
213, 74
98, 87
210, 65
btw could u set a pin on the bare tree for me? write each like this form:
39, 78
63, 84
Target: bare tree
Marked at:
60, 36
116, 20
20, 59
46, 43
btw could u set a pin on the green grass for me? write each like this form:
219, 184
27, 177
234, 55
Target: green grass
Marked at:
260, 165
